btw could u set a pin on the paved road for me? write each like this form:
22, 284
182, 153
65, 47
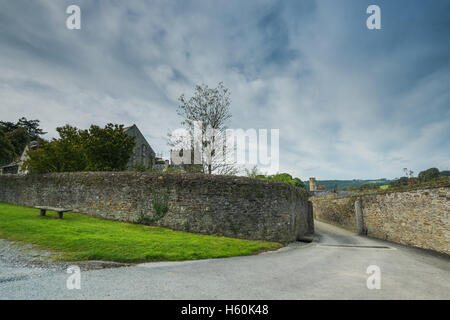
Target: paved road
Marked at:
332, 267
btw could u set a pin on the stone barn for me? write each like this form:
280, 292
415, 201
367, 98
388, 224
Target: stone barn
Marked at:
143, 154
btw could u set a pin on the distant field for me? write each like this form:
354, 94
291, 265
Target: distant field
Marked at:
81, 237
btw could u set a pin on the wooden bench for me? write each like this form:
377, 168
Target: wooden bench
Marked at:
59, 210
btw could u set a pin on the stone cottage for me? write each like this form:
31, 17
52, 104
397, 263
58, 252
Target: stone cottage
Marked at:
143, 154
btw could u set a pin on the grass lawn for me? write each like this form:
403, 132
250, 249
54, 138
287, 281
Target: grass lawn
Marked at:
81, 237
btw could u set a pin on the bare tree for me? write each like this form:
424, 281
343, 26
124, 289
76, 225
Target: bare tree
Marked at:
205, 116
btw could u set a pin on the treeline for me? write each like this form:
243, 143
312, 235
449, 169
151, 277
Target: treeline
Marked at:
355, 184
95, 149
426, 177
429, 176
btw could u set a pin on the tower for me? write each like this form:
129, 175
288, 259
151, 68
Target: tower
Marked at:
312, 184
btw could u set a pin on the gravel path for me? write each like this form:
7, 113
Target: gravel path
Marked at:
23, 261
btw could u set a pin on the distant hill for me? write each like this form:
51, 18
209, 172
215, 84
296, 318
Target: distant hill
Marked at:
344, 184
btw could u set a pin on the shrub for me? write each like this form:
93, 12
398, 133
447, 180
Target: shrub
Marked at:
140, 167
160, 205
403, 181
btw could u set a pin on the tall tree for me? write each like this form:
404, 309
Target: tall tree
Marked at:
205, 116
65, 154
6, 149
429, 174
107, 149
32, 127
19, 138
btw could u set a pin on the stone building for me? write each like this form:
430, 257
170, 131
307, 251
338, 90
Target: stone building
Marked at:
314, 188
143, 154
312, 184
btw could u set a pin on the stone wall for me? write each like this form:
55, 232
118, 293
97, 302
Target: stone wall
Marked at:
416, 217
336, 210
220, 205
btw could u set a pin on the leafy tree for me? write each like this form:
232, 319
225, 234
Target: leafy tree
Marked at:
32, 127
7, 126
283, 177
17, 135
429, 174
107, 149
299, 183
6, 149
403, 181
19, 138
65, 154
96, 149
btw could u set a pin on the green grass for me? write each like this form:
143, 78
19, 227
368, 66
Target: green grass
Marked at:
82, 237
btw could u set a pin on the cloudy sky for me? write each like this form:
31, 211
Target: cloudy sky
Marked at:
349, 102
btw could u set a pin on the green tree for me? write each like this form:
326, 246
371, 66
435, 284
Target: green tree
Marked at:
429, 174
6, 149
283, 177
403, 181
65, 154
19, 138
299, 183
107, 149
32, 127
96, 149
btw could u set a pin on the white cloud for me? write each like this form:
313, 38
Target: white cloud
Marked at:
346, 105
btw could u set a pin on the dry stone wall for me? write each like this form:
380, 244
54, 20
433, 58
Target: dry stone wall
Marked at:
219, 205
415, 217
